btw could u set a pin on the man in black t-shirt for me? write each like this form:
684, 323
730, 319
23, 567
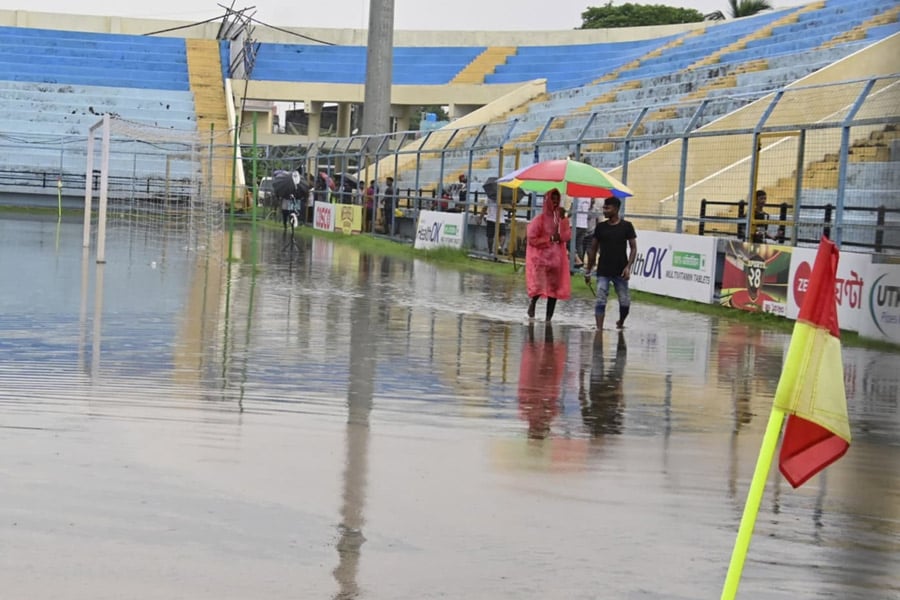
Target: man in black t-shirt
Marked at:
613, 266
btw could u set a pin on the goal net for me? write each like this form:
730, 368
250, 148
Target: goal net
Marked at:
154, 182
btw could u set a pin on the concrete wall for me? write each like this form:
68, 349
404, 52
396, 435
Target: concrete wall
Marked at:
501, 106
410, 95
353, 37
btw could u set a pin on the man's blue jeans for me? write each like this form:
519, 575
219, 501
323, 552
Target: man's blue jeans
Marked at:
621, 286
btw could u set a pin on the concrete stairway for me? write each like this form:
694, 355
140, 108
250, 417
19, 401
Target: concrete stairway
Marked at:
205, 75
859, 32
484, 64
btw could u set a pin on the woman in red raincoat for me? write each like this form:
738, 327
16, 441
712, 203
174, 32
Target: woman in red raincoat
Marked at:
547, 258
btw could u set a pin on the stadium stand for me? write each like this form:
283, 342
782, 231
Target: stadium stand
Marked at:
93, 59
347, 64
484, 64
56, 84
737, 62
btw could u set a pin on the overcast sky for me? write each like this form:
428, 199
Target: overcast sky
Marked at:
409, 14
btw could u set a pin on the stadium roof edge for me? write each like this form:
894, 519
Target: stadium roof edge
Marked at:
352, 37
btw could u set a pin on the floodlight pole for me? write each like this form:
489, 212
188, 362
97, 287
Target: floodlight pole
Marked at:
379, 57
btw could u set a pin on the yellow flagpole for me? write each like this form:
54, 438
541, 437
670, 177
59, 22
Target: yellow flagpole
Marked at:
751, 507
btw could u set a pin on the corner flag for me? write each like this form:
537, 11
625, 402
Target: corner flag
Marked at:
811, 388
811, 393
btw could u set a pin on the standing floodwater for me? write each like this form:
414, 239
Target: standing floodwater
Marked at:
328, 424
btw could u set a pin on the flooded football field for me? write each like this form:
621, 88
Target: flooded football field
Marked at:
311, 422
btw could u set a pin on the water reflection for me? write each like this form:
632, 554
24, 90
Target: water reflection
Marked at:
404, 410
540, 376
98, 320
604, 406
360, 391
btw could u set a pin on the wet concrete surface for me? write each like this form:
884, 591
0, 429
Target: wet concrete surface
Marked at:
335, 425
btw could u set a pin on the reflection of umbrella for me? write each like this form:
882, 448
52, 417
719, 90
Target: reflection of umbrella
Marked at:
572, 177
506, 193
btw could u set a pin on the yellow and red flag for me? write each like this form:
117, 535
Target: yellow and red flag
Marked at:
811, 388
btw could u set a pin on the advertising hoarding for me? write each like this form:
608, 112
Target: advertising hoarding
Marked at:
436, 229
323, 216
348, 218
755, 277
851, 275
880, 315
676, 265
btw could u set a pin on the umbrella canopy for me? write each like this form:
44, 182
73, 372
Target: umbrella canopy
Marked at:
287, 184
572, 177
508, 193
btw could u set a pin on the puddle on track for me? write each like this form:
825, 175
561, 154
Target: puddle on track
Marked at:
331, 425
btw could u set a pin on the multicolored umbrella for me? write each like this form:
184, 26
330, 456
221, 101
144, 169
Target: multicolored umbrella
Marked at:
571, 177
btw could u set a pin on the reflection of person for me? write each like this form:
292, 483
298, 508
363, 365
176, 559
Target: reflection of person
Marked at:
613, 265
602, 411
546, 260
540, 381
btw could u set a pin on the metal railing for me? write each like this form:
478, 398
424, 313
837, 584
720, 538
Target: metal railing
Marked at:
838, 142
694, 165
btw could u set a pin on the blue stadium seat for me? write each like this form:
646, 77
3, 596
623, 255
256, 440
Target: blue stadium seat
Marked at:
347, 64
82, 58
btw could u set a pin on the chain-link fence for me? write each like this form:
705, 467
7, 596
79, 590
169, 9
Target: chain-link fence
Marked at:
826, 155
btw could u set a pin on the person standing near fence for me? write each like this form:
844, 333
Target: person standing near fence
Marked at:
762, 233
547, 260
387, 205
369, 204
583, 224
611, 237
494, 216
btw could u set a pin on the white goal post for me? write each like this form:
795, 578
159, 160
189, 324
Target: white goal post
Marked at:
154, 176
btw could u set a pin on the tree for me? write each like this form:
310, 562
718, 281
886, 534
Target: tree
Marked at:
638, 15
747, 8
